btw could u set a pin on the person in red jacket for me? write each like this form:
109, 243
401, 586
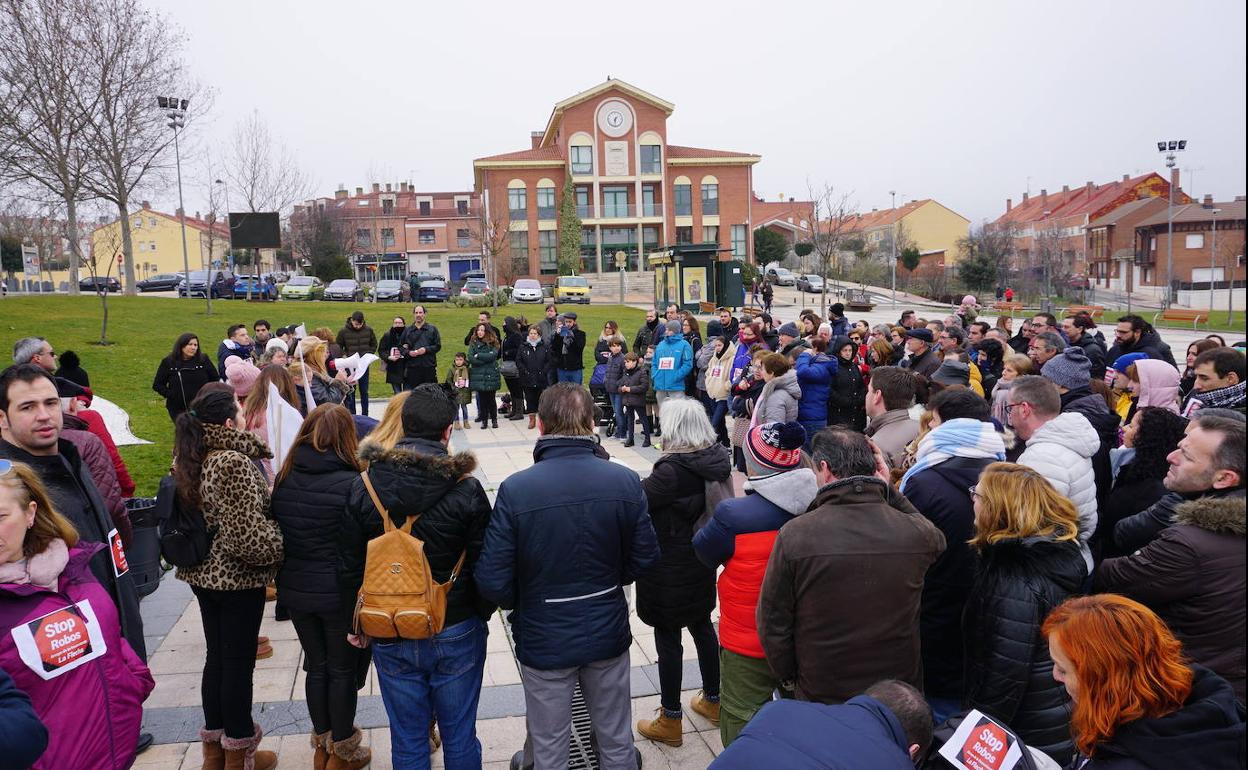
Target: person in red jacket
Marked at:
739, 536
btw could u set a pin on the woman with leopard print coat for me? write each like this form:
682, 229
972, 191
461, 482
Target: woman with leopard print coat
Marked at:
217, 471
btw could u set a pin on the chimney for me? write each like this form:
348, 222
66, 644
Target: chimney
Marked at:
178, 212
147, 205
1009, 204
388, 188
197, 215
1044, 198
376, 187
340, 193
1091, 188
1208, 201
790, 199
535, 138
402, 186
1174, 181
1065, 188
1025, 197
1126, 177
874, 210
359, 191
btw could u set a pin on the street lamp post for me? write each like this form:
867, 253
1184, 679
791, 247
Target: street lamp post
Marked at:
175, 109
893, 240
1213, 250
1169, 148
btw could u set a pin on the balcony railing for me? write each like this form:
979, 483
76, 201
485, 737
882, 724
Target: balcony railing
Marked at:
585, 212
710, 207
445, 213
618, 210
582, 168
546, 212
683, 209
518, 215
652, 209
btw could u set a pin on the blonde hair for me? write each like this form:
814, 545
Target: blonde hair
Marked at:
1019, 363
49, 525
314, 351
1016, 502
387, 433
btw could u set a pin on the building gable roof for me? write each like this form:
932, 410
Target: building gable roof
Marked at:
1114, 216
556, 114
1079, 202
1195, 212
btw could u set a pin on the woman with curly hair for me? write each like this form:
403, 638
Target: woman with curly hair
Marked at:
1139, 467
1138, 704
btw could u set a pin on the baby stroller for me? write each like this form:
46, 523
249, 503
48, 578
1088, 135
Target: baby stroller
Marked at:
605, 417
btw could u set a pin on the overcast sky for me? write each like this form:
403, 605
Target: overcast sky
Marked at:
969, 103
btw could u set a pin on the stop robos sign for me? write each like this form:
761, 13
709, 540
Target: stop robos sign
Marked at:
982, 743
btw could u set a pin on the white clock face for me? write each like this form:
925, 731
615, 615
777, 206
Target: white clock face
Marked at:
615, 119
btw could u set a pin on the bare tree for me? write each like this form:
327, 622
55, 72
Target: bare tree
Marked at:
100, 262
43, 132
492, 230
1048, 257
831, 223
130, 56
320, 235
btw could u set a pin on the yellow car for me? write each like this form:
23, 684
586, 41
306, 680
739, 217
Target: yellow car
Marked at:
572, 288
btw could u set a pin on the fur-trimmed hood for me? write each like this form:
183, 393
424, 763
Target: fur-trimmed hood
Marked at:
429, 456
1216, 514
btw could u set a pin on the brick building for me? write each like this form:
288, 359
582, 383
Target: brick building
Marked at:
1197, 259
634, 190
392, 230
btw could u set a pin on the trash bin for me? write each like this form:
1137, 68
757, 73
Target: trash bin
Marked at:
143, 555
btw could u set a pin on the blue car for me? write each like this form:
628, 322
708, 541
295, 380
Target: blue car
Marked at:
259, 288
433, 290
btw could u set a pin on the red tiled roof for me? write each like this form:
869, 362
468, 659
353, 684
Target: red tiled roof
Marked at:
1126, 209
1194, 212
541, 153
1078, 201
677, 151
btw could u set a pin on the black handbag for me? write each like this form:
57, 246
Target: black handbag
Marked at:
185, 539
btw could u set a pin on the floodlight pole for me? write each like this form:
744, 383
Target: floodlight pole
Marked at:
1170, 148
175, 110
893, 241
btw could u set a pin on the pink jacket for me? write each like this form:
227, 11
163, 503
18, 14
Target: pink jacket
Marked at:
1159, 384
64, 649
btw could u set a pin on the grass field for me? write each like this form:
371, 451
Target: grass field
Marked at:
143, 329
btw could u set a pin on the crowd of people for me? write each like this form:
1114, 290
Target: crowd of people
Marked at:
927, 517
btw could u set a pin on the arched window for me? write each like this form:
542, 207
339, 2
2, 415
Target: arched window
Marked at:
682, 196
545, 199
581, 153
710, 196
517, 199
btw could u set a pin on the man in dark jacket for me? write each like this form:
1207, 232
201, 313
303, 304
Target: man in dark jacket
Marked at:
567, 348
419, 480
836, 317
921, 359
1078, 331
886, 728
862, 544
723, 325
23, 738
941, 493
791, 342
559, 554
237, 342
648, 334
1135, 335
357, 337
482, 318
419, 345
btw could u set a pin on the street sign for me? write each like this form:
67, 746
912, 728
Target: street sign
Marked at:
30, 259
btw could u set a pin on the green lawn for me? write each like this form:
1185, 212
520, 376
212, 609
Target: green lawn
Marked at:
1217, 320
143, 330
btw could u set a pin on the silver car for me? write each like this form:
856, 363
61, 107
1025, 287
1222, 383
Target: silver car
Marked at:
527, 290
344, 289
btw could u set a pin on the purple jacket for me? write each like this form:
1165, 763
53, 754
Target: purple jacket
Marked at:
85, 681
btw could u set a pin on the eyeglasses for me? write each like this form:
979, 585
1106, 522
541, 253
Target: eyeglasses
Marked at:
1011, 407
973, 490
5, 467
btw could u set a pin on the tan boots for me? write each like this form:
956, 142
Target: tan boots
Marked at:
348, 754
532, 421
214, 755
704, 708
320, 750
241, 753
662, 728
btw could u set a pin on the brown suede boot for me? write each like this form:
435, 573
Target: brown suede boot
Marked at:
241, 753
320, 746
662, 728
708, 710
214, 755
348, 754
532, 421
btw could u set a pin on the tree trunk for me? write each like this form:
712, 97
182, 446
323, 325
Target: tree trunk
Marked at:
75, 248
104, 323
127, 246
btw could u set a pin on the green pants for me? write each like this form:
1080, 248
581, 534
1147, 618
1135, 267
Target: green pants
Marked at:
745, 686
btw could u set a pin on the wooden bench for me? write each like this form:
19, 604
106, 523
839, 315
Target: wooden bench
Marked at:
1007, 307
1197, 317
1096, 311
706, 308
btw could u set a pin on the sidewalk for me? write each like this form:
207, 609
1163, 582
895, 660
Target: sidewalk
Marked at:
176, 653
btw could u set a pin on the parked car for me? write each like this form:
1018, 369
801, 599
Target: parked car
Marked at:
347, 289
433, 290
392, 291
527, 290
1079, 281
473, 275
811, 283
474, 288
260, 289
196, 284
572, 288
303, 287
161, 282
781, 276
99, 284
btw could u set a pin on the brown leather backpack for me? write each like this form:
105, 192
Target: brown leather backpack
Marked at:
399, 598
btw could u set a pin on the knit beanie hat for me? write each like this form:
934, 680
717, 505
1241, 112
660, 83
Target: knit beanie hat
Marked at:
789, 330
837, 309
968, 300
1123, 362
952, 372
773, 447
275, 344
230, 360
1068, 369
673, 327
242, 377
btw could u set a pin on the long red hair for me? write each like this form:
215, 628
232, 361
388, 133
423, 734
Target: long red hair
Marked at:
1128, 664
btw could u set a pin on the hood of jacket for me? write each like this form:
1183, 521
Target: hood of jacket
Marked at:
793, 490
670, 341
1061, 562
1159, 384
788, 383
417, 471
838, 342
307, 459
710, 463
1070, 430
219, 437
1214, 513
1206, 732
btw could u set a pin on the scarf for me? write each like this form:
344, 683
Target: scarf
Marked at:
43, 569
1232, 396
962, 437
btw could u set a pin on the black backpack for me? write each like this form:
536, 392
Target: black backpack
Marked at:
184, 537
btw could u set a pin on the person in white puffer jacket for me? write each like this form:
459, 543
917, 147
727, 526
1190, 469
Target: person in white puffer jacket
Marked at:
1059, 447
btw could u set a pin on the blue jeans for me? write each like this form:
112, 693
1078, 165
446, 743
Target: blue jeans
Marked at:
440, 677
719, 420
570, 375
350, 402
617, 406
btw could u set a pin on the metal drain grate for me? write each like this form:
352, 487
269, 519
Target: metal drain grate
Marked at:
581, 753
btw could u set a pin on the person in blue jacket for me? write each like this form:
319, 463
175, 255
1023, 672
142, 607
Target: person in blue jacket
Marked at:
815, 372
672, 363
566, 536
23, 737
886, 728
